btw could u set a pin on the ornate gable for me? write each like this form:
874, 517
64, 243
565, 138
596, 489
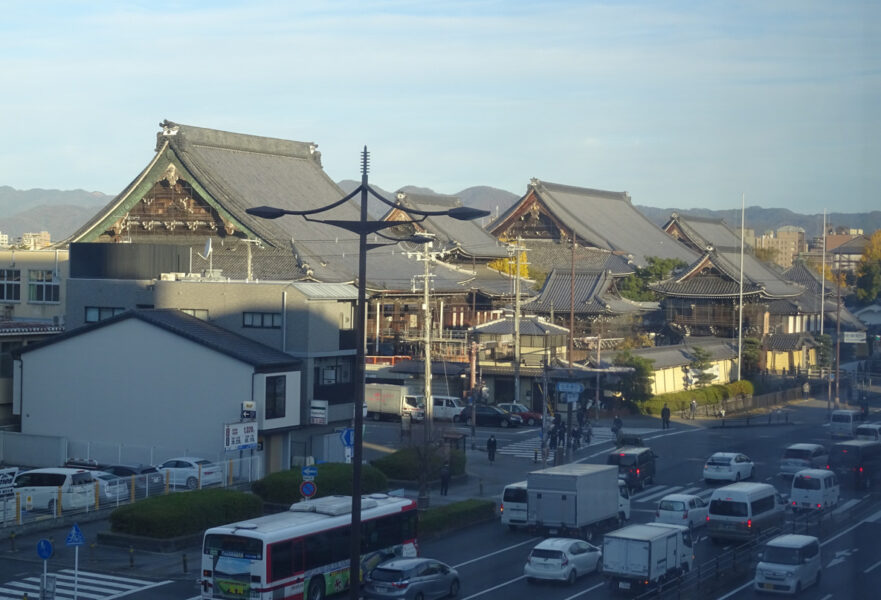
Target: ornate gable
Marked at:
532, 221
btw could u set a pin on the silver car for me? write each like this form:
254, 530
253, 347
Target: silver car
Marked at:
802, 456
411, 578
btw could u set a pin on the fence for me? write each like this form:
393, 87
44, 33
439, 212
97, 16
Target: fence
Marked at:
20, 506
743, 403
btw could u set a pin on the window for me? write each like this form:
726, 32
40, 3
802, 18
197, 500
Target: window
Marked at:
261, 320
99, 313
10, 285
199, 313
275, 397
762, 505
42, 286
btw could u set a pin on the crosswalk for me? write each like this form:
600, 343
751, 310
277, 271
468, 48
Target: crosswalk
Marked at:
531, 447
89, 586
656, 492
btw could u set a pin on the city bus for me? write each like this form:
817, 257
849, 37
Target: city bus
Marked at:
303, 553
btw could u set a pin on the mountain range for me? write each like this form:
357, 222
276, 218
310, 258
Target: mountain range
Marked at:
62, 212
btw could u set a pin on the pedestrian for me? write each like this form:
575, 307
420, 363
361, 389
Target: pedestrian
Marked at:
617, 426
491, 446
582, 416
693, 408
445, 478
665, 417
576, 437
588, 432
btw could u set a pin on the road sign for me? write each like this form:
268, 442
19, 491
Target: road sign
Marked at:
309, 472
75, 537
347, 437
569, 387
308, 489
854, 337
44, 549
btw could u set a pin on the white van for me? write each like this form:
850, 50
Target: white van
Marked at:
513, 505
869, 431
446, 408
788, 564
741, 511
844, 423
814, 489
39, 489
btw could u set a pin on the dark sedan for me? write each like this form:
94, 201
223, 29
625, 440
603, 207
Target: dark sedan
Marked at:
148, 480
489, 415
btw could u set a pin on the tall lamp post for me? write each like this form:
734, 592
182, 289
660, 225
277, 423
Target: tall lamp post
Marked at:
362, 227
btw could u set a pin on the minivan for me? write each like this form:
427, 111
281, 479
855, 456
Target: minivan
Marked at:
843, 423
869, 431
446, 408
636, 465
741, 511
814, 489
797, 457
788, 564
856, 462
513, 505
39, 489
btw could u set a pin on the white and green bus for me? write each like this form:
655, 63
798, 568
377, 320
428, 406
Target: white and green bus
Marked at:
303, 553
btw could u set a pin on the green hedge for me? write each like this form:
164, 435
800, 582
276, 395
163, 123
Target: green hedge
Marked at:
407, 463
332, 479
455, 516
184, 513
711, 394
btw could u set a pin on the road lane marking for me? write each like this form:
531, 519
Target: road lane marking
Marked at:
582, 592
494, 588
479, 558
873, 567
649, 496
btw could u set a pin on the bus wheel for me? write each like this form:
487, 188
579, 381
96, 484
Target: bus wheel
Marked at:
316, 589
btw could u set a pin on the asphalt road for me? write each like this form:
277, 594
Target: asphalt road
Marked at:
490, 558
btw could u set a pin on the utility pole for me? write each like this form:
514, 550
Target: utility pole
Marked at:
571, 344
517, 250
838, 336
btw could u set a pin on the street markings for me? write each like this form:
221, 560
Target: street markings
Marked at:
91, 586
601, 435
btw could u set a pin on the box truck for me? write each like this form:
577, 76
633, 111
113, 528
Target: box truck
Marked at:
637, 558
390, 401
577, 500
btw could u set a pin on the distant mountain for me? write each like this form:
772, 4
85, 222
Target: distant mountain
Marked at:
60, 212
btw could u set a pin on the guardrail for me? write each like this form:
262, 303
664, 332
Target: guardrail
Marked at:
20, 508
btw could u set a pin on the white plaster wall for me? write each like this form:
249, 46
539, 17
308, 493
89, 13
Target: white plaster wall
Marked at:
133, 383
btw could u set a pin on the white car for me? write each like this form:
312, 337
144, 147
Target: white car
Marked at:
728, 466
682, 509
562, 559
113, 487
191, 472
788, 564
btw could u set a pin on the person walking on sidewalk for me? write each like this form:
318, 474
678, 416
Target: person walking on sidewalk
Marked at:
491, 446
693, 408
445, 478
665, 417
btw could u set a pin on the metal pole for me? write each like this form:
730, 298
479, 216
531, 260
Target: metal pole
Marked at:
429, 402
838, 335
517, 322
740, 318
358, 421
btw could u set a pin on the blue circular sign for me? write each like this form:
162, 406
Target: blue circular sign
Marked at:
44, 549
308, 489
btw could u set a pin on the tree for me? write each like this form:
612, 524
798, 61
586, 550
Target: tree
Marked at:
751, 353
637, 385
636, 285
700, 366
824, 351
868, 280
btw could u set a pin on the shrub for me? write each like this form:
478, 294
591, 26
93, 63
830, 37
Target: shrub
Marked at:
711, 394
181, 514
408, 463
456, 515
332, 479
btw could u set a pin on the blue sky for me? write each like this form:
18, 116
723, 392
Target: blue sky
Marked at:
682, 104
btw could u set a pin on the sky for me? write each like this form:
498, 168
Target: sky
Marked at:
681, 104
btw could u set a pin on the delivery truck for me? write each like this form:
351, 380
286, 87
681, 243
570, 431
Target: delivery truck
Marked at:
390, 401
576, 500
638, 558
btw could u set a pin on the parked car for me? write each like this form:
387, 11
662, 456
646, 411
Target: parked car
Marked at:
728, 466
191, 471
39, 488
562, 559
489, 415
530, 417
112, 487
802, 456
682, 509
411, 578
788, 564
148, 480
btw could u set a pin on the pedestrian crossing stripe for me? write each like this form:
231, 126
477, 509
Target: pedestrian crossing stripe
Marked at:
94, 586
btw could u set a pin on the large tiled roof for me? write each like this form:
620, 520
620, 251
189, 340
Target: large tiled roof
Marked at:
664, 357
783, 342
705, 286
529, 325
465, 238
207, 334
546, 255
606, 220
592, 295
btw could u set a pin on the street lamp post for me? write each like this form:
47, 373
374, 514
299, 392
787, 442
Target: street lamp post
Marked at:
362, 227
